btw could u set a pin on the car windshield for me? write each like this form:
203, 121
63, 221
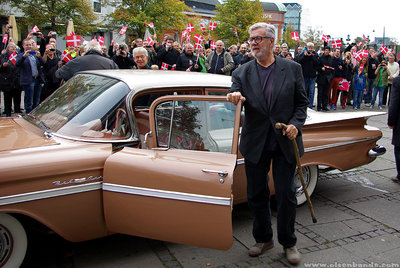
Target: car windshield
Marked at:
87, 106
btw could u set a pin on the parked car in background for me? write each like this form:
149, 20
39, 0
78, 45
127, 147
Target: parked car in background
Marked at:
145, 153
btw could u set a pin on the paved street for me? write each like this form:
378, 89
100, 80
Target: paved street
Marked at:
358, 223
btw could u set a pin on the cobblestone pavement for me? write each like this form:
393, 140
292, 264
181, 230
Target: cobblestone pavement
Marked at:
358, 224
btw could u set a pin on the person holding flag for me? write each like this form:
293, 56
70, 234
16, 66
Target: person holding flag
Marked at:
168, 54
187, 61
9, 80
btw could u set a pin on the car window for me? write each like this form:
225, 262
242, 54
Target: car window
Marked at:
87, 106
195, 125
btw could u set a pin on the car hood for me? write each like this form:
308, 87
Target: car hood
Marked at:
17, 133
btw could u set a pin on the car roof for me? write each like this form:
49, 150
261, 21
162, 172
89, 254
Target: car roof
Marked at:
138, 80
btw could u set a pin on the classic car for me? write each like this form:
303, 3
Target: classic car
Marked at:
145, 153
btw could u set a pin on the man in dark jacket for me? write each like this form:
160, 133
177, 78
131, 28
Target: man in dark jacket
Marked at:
325, 75
187, 60
122, 58
373, 64
309, 64
394, 123
168, 54
92, 60
31, 75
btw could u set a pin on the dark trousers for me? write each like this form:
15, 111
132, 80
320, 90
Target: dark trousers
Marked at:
9, 96
322, 98
397, 158
258, 195
385, 94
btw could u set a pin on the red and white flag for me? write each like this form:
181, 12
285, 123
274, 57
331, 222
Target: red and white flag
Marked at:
295, 36
202, 27
66, 56
73, 40
151, 25
236, 33
188, 37
5, 38
123, 30
164, 66
360, 44
336, 43
184, 33
35, 29
13, 58
357, 56
101, 40
325, 38
363, 53
189, 27
197, 46
361, 67
212, 45
150, 41
188, 69
199, 38
212, 26
366, 38
383, 49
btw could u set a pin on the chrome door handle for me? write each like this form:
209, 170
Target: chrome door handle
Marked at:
221, 173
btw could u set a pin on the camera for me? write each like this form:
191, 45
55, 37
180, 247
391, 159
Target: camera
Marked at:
10, 26
52, 49
35, 34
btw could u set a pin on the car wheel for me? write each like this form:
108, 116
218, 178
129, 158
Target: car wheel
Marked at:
310, 174
13, 241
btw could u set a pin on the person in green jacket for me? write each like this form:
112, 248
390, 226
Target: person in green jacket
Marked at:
380, 83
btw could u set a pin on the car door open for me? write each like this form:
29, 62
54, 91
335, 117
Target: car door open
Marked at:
179, 190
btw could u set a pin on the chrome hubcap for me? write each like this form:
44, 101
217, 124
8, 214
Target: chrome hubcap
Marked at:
6, 243
297, 181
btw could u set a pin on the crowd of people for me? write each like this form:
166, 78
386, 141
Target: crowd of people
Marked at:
40, 69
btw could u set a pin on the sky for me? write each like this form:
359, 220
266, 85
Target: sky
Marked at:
342, 17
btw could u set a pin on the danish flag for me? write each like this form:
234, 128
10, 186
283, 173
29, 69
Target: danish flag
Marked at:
164, 66
336, 43
361, 67
101, 40
73, 40
150, 40
363, 53
123, 30
35, 29
197, 46
151, 25
212, 26
184, 33
190, 28
366, 38
66, 56
383, 49
295, 36
5, 38
188, 37
212, 45
325, 38
198, 38
357, 56
13, 58
202, 27
236, 33
360, 44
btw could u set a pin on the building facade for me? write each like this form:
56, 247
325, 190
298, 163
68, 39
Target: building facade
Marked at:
293, 16
275, 13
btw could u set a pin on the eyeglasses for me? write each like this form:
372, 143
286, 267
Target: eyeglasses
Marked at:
257, 39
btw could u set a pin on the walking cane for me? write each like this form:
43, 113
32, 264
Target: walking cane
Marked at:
300, 170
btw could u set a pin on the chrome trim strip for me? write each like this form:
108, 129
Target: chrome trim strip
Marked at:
32, 196
333, 145
215, 200
240, 161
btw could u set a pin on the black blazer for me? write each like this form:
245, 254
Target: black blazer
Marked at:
394, 111
288, 105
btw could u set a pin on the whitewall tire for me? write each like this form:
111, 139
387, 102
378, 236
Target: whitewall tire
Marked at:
13, 242
310, 174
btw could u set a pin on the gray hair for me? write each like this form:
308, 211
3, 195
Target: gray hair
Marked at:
93, 45
269, 28
310, 44
11, 44
140, 49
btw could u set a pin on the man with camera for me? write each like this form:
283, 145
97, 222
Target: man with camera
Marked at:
167, 54
309, 62
122, 58
31, 75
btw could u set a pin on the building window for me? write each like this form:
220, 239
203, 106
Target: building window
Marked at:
96, 7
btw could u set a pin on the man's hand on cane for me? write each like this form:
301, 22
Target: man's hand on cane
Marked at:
291, 132
235, 97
